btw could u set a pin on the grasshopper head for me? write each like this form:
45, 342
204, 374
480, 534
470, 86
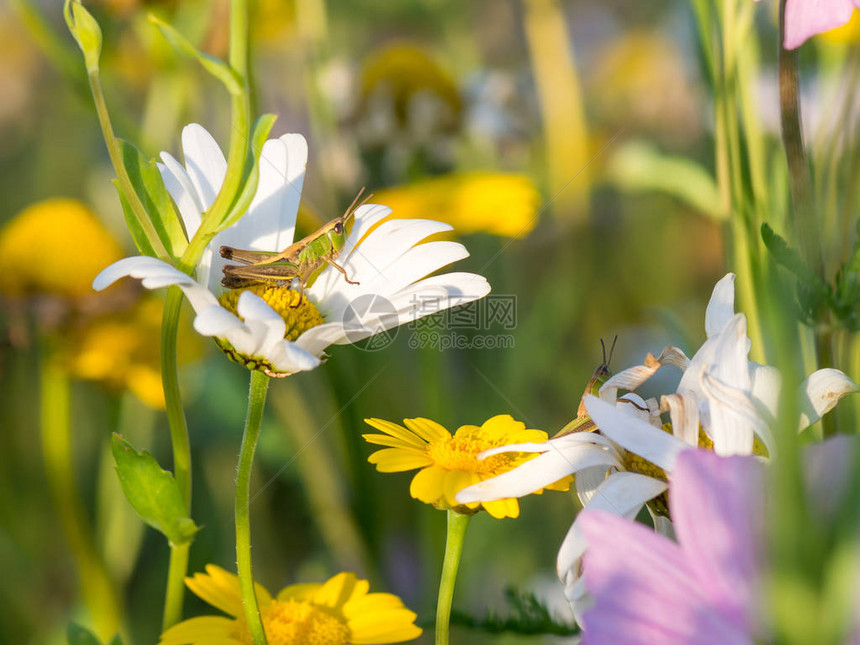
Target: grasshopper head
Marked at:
337, 227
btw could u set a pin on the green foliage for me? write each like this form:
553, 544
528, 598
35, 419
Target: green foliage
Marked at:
842, 297
152, 492
528, 616
79, 635
215, 66
259, 133
148, 185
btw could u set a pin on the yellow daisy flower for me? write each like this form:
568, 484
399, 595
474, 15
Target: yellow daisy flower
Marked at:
450, 463
337, 612
56, 246
472, 202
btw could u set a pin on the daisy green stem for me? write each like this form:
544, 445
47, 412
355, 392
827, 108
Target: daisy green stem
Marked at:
240, 125
98, 590
800, 183
799, 176
256, 403
181, 451
457, 524
115, 154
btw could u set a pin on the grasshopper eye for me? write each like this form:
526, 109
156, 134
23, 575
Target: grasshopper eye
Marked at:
338, 228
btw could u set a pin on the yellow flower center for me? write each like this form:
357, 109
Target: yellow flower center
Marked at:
297, 622
460, 452
299, 313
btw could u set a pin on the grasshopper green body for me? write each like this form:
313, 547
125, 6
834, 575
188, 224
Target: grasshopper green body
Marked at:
299, 260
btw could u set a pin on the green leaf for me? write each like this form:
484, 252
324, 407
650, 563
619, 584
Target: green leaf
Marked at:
152, 492
812, 291
147, 182
215, 66
86, 31
639, 166
528, 616
116, 640
259, 133
137, 234
79, 635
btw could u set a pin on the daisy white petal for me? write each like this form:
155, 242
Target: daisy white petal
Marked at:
721, 307
821, 391
635, 435
684, 413
556, 462
179, 185
204, 162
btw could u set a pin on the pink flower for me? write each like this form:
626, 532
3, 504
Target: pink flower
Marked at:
704, 588
805, 18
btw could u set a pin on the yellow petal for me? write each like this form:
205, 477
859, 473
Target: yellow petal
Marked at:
221, 589
337, 591
396, 430
502, 508
427, 429
500, 426
394, 442
428, 485
302, 591
205, 630
385, 626
395, 460
457, 480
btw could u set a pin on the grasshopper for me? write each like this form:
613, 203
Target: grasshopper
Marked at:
299, 260
582, 422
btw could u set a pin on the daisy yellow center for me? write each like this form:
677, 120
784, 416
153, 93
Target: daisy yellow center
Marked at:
297, 622
461, 453
299, 313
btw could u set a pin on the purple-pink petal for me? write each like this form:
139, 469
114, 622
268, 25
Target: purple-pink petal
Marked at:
717, 506
645, 589
805, 18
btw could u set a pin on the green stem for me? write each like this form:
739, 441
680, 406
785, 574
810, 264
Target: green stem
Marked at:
174, 595
115, 154
97, 588
799, 176
457, 524
256, 403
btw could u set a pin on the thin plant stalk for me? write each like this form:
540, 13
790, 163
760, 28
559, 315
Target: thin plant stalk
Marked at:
98, 590
256, 403
457, 525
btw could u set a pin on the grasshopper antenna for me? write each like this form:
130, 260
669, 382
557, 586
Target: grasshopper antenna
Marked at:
611, 350
357, 203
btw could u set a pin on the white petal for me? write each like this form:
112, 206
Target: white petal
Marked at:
418, 262
537, 473
216, 321
316, 339
732, 416
179, 185
204, 161
623, 494
765, 385
276, 203
289, 357
721, 307
820, 393
265, 324
684, 413
156, 274
635, 435
589, 480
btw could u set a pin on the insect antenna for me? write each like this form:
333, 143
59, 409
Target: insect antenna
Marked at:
611, 350
357, 203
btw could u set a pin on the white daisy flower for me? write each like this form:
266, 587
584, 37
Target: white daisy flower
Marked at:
273, 328
723, 402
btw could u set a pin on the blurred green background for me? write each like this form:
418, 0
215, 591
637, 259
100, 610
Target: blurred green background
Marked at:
606, 221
